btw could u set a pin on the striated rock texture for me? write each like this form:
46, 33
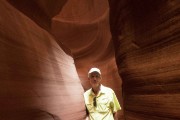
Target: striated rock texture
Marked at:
41, 11
146, 36
38, 80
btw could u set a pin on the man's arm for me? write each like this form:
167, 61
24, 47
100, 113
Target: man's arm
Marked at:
87, 114
115, 115
87, 118
116, 106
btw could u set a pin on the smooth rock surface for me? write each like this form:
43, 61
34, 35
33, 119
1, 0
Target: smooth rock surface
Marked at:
38, 80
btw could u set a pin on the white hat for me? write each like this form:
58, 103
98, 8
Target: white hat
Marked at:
94, 70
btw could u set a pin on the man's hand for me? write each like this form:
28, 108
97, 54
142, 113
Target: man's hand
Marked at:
87, 118
115, 116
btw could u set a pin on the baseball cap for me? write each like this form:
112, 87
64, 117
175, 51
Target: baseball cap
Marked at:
94, 70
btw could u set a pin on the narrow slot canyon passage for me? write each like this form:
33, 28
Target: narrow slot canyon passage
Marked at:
48, 46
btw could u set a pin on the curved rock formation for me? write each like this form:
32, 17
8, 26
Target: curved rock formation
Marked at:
35, 83
41, 11
146, 37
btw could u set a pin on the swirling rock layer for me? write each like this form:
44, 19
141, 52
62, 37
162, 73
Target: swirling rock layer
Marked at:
146, 37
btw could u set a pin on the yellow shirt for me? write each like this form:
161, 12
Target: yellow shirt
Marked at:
106, 104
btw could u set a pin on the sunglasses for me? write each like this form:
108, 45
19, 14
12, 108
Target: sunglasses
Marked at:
94, 102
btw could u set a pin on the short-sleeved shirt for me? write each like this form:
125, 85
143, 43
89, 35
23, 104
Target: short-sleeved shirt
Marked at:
106, 104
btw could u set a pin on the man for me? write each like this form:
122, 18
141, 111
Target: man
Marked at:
101, 102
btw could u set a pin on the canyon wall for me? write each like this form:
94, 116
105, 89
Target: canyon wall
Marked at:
38, 80
146, 39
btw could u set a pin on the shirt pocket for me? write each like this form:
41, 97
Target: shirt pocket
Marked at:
103, 105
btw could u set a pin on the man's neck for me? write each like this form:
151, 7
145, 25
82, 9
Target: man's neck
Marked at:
96, 89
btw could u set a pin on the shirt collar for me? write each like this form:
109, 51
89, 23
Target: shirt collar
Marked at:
102, 91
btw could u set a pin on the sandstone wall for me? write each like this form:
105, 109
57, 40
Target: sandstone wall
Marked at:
38, 80
146, 38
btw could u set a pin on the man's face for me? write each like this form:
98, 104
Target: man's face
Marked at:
95, 79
